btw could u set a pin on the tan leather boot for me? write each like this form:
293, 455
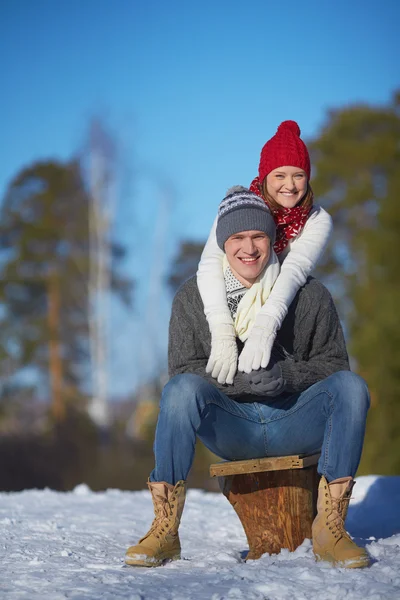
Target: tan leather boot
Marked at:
161, 542
345, 499
331, 542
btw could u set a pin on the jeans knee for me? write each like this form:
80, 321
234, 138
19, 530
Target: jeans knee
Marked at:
180, 392
353, 390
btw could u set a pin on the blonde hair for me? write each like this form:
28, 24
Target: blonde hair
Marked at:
306, 201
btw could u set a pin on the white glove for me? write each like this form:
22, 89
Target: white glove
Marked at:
222, 363
257, 349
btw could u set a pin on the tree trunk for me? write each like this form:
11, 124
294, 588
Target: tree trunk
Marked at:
55, 362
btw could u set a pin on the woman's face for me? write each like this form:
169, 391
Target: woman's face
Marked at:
287, 185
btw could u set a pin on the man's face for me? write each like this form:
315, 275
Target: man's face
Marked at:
247, 253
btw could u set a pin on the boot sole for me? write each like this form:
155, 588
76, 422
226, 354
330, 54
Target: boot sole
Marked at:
360, 563
356, 563
148, 561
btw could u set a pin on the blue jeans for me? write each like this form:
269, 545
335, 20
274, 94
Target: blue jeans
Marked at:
329, 416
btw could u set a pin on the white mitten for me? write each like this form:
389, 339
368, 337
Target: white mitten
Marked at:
257, 349
222, 363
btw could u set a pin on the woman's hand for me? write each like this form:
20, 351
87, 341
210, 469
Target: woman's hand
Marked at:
222, 363
256, 353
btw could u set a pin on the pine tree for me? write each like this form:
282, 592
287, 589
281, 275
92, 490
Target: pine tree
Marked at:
44, 246
185, 264
356, 159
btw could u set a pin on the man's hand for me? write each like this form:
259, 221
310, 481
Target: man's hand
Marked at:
268, 382
256, 353
222, 363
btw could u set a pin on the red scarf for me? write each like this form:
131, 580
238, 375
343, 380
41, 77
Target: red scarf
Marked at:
289, 221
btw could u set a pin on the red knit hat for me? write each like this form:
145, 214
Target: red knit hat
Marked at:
285, 148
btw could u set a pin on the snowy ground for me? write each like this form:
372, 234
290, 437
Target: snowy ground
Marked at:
71, 545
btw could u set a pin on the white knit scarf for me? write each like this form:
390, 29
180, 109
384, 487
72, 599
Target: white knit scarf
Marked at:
255, 297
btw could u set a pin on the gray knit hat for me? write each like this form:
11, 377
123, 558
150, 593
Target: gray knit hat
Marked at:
242, 210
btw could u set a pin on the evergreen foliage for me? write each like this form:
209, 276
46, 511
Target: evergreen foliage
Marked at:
356, 161
44, 252
185, 264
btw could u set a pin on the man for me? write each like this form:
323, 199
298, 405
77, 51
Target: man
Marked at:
306, 400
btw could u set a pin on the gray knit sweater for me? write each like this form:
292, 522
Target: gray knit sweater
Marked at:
309, 346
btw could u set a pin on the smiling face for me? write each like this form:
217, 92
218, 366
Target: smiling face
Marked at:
247, 253
287, 185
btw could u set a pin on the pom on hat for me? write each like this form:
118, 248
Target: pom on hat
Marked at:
236, 188
290, 126
285, 148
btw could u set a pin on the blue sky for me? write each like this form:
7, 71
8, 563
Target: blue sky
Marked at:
192, 90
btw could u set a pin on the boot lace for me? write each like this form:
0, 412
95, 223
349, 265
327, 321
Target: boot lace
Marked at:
161, 522
334, 520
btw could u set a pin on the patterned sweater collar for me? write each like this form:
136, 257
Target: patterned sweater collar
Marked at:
235, 290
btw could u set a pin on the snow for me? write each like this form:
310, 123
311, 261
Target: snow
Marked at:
71, 545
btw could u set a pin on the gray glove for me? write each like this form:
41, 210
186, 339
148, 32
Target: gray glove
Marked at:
267, 382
